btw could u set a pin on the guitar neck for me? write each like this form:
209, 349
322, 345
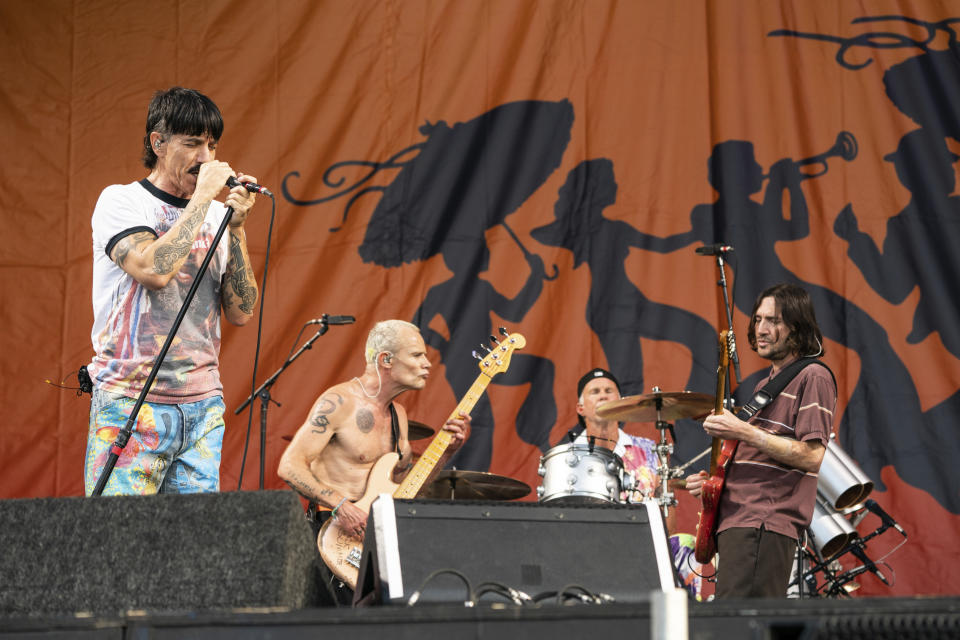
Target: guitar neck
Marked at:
717, 444
428, 461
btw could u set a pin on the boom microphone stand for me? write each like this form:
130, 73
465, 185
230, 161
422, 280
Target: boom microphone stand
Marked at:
263, 391
116, 449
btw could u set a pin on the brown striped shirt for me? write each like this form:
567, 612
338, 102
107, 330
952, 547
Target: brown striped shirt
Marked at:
762, 491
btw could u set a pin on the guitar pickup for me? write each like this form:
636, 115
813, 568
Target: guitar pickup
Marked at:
354, 557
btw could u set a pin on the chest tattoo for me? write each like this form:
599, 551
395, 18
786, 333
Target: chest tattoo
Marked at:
364, 420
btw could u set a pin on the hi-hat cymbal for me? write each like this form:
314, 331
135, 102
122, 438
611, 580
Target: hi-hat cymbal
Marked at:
418, 430
673, 405
454, 484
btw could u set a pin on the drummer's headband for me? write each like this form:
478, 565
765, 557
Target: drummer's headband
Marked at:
593, 374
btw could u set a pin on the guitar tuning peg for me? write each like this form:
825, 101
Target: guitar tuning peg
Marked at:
494, 339
503, 331
476, 355
483, 346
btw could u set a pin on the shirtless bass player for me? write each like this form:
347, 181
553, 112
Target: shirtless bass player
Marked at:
355, 423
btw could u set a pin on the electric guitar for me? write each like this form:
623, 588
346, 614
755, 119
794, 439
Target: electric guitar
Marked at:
720, 456
341, 551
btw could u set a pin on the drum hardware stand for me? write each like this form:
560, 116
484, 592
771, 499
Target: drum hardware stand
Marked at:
664, 449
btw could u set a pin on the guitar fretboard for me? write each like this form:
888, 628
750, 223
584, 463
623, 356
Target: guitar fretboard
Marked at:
421, 471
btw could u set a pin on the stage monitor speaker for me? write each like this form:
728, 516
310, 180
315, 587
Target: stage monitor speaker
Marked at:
416, 548
167, 552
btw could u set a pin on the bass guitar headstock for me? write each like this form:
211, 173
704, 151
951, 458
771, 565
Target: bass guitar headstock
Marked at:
497, 359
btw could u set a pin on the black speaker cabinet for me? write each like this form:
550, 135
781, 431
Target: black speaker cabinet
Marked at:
420, 546
166, 552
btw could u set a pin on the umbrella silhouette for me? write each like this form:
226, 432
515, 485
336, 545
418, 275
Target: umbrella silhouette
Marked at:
466, 179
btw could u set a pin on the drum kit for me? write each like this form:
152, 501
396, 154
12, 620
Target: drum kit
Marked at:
581, 473
578, 472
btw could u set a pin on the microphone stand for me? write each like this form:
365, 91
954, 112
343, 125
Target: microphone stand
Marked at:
732, 346
124, 434
263, 392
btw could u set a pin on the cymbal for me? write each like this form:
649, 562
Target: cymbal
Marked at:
454, 484
418, 430
643, 408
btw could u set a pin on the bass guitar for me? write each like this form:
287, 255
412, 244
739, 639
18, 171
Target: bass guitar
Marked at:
341, 551
720, 456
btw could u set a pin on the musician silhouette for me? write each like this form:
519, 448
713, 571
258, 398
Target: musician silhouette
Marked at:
925, 88
465, 302
885, 399
617, 311
737, 220
920, 248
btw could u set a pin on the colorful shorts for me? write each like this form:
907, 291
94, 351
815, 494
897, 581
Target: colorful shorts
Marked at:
174, 448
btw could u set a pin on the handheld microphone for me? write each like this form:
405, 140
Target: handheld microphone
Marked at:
325, 319
868, 563
252, 187
717, 249
885, 517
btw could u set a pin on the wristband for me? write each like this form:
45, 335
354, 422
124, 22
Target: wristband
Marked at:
333, 512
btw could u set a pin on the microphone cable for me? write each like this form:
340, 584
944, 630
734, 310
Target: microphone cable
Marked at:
256, 355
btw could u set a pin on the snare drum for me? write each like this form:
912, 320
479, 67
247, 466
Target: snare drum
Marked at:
580, 473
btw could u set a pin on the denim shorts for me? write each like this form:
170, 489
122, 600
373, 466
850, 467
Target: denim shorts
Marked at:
174, 448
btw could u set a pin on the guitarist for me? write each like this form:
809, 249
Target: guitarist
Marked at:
353, 424
771, 481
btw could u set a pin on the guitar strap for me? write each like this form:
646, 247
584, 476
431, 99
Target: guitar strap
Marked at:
395, 426
772, 389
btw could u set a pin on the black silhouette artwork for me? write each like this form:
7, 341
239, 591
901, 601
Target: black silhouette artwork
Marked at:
617, 311
921, 245
463, 180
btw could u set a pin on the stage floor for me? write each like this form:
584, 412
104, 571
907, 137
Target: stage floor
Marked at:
874, 618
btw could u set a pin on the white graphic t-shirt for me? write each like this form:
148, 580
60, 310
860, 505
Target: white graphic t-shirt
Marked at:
131, 322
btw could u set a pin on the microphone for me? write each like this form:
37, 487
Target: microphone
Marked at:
868, 563
714, 249
888, 521
325, 319
252, 187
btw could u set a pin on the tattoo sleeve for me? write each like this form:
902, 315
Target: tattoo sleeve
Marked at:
128, 244
166, 257
239, 277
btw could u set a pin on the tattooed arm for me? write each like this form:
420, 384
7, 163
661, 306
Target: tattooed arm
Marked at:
154, 261
308, 444
239, 290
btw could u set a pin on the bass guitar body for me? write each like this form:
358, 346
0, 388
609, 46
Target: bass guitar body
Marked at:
341, 551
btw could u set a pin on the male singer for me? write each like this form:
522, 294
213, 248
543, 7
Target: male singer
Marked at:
149, 239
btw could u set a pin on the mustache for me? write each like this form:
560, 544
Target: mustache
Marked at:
195, 170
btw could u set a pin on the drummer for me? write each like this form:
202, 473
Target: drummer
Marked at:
639, 457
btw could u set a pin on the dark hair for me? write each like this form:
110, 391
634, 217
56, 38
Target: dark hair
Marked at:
180, 111
796, 311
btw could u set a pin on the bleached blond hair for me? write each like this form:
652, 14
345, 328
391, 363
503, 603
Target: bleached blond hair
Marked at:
385, 336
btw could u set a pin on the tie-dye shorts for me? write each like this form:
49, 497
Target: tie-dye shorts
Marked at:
174, 448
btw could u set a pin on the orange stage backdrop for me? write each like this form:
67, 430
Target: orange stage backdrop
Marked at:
545, 166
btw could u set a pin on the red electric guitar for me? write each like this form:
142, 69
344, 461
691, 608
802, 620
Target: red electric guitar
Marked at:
723, 450
341, 551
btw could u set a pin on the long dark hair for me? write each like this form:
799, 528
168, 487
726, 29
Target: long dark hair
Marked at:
796, 311
180, 111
